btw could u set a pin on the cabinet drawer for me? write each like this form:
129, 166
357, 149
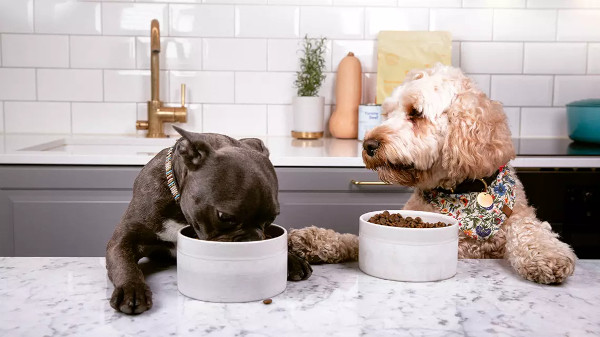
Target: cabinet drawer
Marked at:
63, 223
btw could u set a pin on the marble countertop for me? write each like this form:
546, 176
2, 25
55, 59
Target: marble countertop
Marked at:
285, 151
68, 297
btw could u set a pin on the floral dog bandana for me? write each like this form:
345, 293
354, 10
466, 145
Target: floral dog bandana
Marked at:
474, 220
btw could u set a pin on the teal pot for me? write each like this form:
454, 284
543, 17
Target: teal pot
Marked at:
584, 120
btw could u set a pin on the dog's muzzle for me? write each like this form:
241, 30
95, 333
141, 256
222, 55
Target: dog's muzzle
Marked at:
370, 146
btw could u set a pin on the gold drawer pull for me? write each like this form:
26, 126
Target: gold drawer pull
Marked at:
356, 182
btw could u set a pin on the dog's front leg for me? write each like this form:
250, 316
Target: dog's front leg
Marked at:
131, 294
536, 253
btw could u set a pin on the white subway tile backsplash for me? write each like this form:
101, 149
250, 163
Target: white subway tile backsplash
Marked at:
495, 3
17, 84
104, 118
133, 18
67, 17
176, 53
364, 2
572, 88
245, 2
593, 66
235, 120
578, 25
563, 3
202, 87
264, 87
102, 52
460, 23
280, 120
267, 21
235, 54
69, 85
524, 25
513, 117
482, 82
301, 2
379, 19
522, 90
202, 20
16, 16
284, 54
555, 58
327, 89
365, 51
37, 117
455, 58
238, 55
19, 50
544, 122
491, 57
429, 3
332, 22
132, 85
1, 117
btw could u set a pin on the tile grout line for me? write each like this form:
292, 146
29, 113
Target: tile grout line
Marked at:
71, 117
35, 78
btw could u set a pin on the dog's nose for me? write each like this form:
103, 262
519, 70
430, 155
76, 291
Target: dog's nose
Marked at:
370, 145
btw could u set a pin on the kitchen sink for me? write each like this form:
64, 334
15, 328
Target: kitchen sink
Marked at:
101, 145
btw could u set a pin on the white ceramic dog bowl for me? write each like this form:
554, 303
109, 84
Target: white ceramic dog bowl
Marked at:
232, 271
408, 254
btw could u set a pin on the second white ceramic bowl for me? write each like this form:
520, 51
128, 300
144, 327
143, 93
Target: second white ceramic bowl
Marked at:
408, 254
232, 271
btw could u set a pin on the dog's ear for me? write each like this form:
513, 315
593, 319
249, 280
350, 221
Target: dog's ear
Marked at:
478, 141
255, 144
192, 148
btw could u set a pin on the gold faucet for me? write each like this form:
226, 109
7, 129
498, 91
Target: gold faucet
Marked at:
157, 113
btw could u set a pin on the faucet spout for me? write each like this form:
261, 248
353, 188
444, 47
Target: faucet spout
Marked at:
154, 61
157, 113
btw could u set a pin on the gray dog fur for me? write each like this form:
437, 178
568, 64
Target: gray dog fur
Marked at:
228, 193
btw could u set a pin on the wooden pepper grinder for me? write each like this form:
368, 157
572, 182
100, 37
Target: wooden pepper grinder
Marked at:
343, 122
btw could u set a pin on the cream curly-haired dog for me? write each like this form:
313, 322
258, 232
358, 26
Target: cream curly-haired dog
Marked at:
448, 140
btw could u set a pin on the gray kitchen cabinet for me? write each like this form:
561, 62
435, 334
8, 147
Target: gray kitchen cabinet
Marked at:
72, 210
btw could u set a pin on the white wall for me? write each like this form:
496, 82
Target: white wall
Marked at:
82, 67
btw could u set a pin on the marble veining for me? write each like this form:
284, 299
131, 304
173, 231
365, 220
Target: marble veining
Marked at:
69, 296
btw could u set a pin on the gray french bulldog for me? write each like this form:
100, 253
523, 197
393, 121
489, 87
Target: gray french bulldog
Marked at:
227, 192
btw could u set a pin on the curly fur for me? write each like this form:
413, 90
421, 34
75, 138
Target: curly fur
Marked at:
319, 245
440, 130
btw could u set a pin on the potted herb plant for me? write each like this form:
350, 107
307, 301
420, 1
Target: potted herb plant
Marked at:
308, 106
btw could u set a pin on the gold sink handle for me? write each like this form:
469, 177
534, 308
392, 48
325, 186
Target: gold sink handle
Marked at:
182, 94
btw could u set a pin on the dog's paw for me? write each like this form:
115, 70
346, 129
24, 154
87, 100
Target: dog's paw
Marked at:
552, 268
298, 268
132, 298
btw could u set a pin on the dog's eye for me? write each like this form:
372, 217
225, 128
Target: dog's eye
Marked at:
226, 218
414, 113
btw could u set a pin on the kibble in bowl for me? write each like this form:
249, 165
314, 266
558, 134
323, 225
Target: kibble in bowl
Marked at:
408, 245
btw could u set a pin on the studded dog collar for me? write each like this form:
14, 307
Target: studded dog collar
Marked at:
171, 182
480, 214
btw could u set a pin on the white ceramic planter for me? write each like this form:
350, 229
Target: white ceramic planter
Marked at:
308, 117
408, 254
231, 271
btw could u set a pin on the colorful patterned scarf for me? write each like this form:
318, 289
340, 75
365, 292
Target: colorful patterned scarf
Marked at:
474, 220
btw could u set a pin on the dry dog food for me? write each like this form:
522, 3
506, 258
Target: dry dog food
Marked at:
268, 301
397, 220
